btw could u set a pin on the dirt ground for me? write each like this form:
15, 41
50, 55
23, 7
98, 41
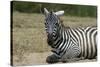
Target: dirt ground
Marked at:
40, 59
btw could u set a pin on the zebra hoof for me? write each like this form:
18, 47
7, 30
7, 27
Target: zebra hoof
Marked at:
52, 59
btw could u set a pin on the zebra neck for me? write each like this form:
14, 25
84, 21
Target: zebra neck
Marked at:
61, 40
62, 43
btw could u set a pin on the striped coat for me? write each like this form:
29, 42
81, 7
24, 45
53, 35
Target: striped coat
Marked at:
69, 43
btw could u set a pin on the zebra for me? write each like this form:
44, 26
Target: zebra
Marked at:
69, 44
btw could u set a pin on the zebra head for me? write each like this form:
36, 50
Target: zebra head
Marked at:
52, 22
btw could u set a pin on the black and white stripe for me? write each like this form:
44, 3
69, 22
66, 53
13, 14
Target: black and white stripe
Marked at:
69, 43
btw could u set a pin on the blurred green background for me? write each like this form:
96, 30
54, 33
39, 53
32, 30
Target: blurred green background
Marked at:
72, 10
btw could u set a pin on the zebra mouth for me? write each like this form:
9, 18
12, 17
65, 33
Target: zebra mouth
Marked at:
50, 36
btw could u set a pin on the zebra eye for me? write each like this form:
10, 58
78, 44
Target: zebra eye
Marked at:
56, 23
46, 23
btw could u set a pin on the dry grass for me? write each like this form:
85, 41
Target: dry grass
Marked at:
29, 34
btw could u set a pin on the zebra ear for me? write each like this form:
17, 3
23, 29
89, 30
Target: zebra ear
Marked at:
46, 11
59, 13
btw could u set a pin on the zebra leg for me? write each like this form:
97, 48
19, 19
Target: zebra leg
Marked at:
71, 59
95, 57
52, 59
76, 59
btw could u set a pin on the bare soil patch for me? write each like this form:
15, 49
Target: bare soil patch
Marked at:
40, 59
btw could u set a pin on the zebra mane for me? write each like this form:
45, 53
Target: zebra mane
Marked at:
61, 21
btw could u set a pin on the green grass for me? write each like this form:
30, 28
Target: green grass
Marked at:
29, 33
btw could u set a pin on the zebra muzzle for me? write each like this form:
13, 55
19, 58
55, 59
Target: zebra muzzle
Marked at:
50, 36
